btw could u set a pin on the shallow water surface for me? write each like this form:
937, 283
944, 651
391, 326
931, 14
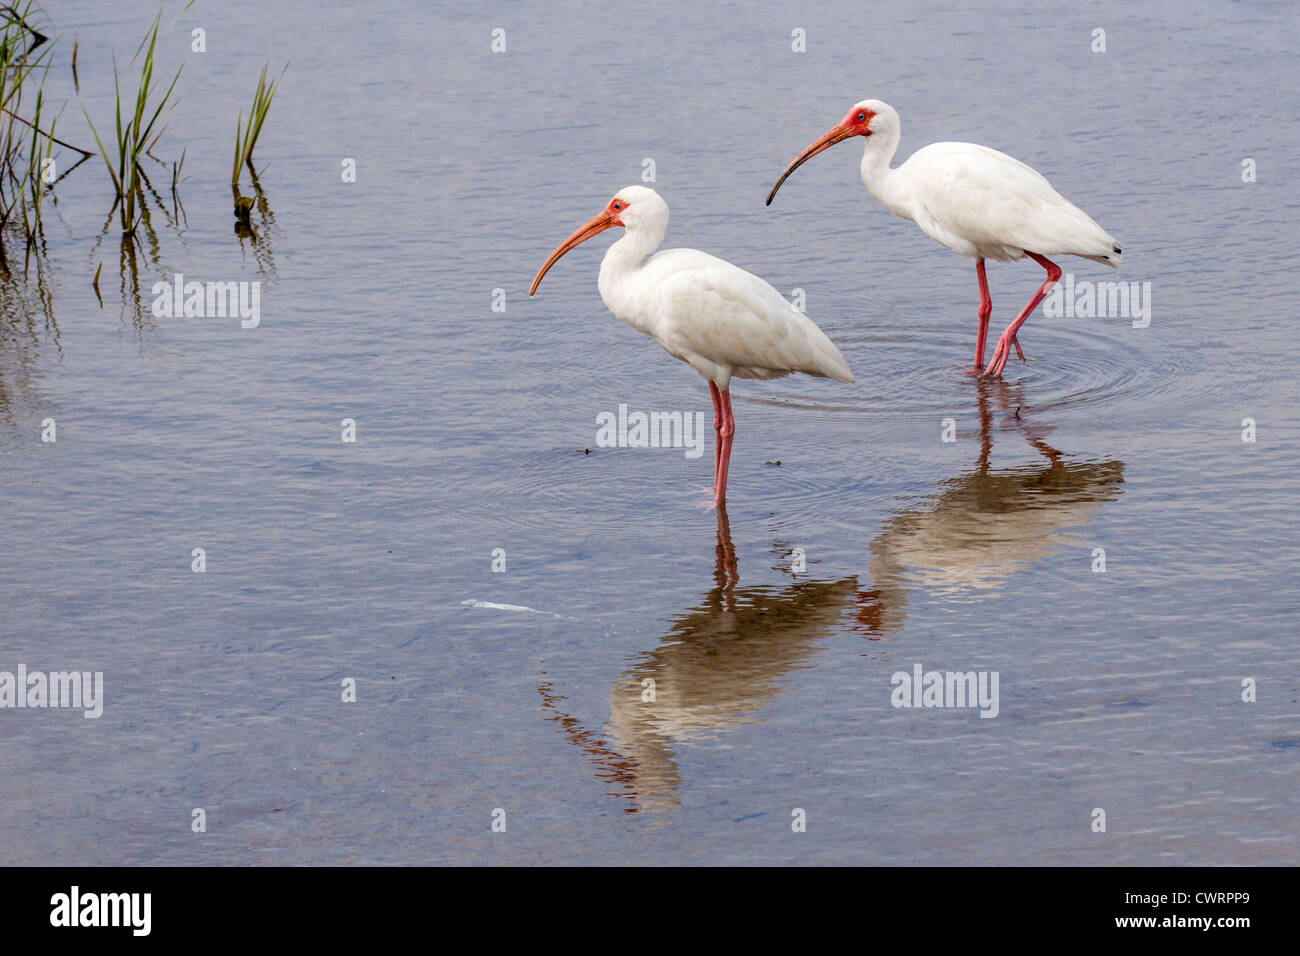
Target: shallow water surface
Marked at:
856, 541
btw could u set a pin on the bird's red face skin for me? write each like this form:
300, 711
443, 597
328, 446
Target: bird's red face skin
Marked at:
859, 120
615, 210
856, 122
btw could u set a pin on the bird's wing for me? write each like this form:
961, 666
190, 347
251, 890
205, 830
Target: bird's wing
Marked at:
991, 199
729, 316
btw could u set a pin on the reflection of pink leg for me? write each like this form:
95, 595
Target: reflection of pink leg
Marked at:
728, 429
986, 310
1003, 351
717, 438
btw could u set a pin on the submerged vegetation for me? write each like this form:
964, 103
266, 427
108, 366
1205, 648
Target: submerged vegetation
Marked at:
24, 149
245, 139
35, 158
133, 137
142, 103
246, 136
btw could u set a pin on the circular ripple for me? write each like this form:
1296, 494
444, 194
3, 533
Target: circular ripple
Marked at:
916, 367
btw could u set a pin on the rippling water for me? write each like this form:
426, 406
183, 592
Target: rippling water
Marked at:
526, 690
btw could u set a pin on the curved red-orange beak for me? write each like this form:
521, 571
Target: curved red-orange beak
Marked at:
598, 224
836, 134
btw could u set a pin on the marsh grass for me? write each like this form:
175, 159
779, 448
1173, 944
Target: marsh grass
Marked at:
24, 148
178, 208
246, 136
134, 132
141, 108
22, 18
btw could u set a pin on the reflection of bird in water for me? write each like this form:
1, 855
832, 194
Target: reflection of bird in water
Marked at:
717, 666
977, 529
722, 662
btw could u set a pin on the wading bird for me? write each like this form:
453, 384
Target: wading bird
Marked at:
975, 201
718, 319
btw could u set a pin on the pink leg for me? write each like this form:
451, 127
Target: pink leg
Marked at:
1003, 351
717, 427
986, 310
728, 429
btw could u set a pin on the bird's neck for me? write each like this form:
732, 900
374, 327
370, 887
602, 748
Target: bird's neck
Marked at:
881, 181
624, 258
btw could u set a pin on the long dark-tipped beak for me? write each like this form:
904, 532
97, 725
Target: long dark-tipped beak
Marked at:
836, 134
598, 224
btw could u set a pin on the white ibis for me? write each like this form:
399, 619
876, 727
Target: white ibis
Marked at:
718, 319
974, 200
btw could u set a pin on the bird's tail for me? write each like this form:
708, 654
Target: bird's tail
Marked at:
1087, 239
831, 364
843, 373
1109, 258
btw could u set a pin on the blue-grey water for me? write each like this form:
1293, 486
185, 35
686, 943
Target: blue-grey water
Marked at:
521, 690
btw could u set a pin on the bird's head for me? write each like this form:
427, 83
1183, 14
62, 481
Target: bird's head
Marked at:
635, 208
866, 118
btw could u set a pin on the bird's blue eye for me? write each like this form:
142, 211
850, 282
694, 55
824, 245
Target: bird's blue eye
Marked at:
617, 206
862, 117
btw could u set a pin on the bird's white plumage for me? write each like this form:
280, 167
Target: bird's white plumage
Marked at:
977, 201
719, 319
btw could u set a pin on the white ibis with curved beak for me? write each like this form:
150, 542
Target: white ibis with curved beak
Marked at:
718, 319
974, 200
